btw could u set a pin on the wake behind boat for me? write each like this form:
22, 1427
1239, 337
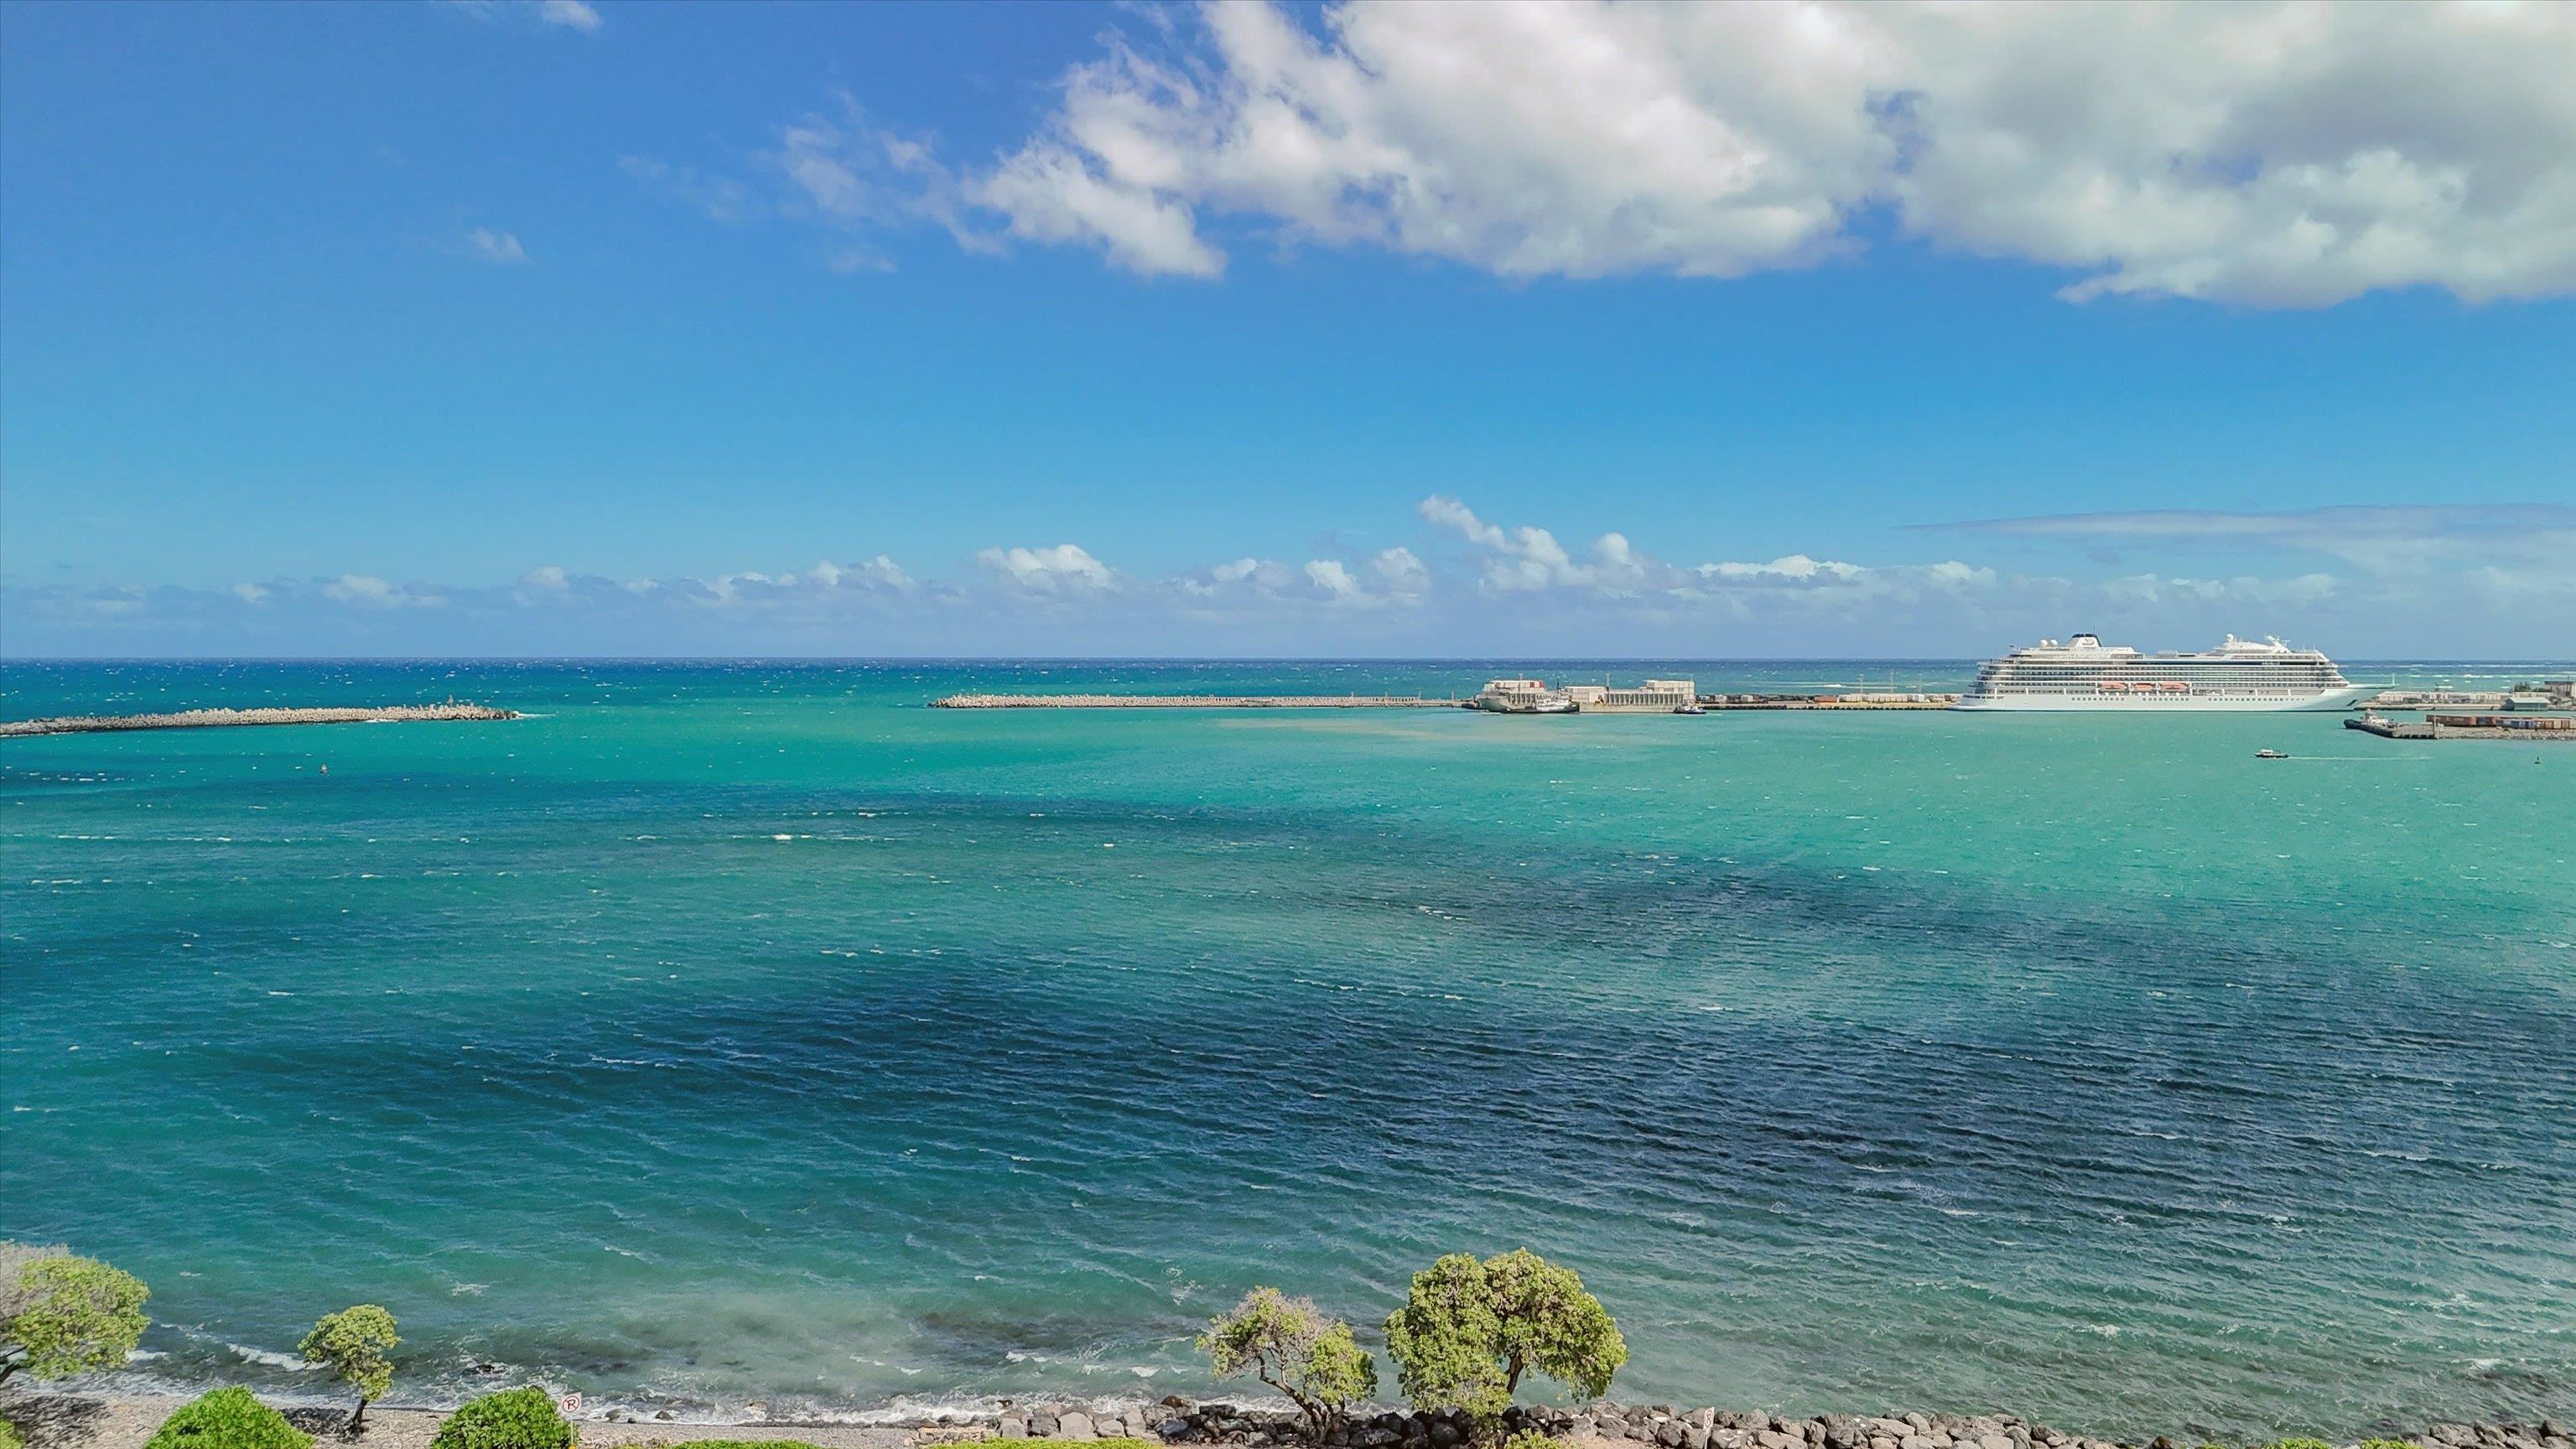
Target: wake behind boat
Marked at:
2083, 673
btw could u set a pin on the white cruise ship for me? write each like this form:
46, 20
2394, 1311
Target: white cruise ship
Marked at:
2237, 675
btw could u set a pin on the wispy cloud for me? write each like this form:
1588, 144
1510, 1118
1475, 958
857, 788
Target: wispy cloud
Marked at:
2382, 538
2437, 520
500, 248
567, 14
570, 14
718, 198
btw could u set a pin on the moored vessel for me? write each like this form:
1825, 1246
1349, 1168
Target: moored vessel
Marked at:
2083, 674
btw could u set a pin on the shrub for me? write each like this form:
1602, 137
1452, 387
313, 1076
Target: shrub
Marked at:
1469, 1330
9, 1435
1297, 1349
228, 1419
2299, 1444
352, 1344
61, 1315
511, 1419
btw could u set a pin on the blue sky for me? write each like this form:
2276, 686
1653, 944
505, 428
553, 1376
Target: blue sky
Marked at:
521, 328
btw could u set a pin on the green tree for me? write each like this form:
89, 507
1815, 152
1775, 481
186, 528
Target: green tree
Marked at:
1551, 1325
1297, 1349
1445, 1340
1468, 1331
227, 1419
352, 1343
511, 1419
61, 1314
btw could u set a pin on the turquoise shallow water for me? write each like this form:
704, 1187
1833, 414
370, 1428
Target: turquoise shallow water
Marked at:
745, 1032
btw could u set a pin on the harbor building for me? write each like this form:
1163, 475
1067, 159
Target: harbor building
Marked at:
1655, 696
1536, 696
1521, 696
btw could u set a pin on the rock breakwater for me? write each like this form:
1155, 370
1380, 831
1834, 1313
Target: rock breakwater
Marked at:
1178, 1421
197, 719
1192, 701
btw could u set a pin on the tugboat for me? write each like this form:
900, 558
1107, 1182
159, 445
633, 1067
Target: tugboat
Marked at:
2270, 755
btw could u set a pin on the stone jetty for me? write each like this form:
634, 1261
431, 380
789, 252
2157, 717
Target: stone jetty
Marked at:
1633, 1426
1192, 701
201, 719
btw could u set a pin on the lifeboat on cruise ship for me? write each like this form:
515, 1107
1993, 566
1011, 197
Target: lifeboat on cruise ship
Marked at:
2173, 686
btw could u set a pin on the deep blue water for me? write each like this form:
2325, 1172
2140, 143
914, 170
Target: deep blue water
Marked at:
747, 1033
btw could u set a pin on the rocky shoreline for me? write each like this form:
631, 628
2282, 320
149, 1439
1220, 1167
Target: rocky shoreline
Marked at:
1177, 1421
74, 1421
200, 719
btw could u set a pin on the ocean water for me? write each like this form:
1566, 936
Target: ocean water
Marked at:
749, 1034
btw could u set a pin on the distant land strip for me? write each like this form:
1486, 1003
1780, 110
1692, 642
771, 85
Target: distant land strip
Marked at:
1192, 701
205, 719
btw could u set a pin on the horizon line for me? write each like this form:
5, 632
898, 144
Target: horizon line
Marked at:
7, 661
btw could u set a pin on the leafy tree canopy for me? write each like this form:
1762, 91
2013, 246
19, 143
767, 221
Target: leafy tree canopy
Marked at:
1550, 1324
1469, 1330
352, 1343
1446, 1339
227, 1419
1297, 1349
511, 1419
61, 1314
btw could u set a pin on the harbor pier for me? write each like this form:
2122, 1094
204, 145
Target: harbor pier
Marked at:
1193, 701
2561, 728
204, 719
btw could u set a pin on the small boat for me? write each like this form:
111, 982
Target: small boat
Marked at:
2270, 755
1689, 709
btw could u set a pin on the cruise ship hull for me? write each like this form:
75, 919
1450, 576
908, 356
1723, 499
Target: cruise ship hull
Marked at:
2143, 702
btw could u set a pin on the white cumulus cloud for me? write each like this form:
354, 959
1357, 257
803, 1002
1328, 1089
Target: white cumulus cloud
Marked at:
1526, 559
1063, 569
2277, 154
1791, 566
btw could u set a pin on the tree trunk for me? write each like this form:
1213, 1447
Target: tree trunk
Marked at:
358, 1416
1512, 1380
